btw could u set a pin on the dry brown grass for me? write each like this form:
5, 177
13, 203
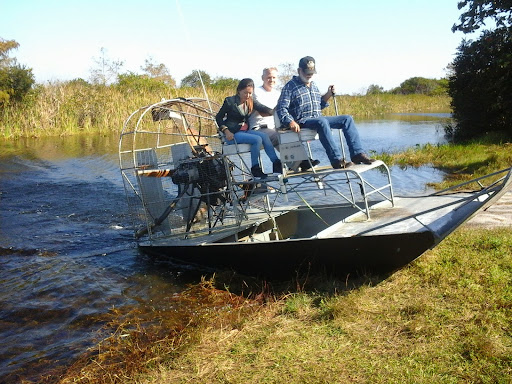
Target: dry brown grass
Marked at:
137, 341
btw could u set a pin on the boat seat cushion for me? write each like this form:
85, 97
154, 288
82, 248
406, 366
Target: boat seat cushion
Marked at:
232, 149
304, 134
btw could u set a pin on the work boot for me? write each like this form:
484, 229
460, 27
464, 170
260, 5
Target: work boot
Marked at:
257, 172
342, 164
306, 165
361, 158
277, 167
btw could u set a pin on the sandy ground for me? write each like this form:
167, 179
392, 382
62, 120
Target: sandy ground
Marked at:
497, 215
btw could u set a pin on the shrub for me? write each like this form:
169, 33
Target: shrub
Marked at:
482, 84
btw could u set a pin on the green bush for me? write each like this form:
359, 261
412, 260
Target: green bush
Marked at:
482, 84
15, 82
422, 86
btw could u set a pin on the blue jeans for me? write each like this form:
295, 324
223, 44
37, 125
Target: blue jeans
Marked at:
255, 139
323, 126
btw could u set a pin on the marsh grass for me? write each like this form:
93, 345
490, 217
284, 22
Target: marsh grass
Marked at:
462, 162
65, 109
76, 107
382, 104
445, 318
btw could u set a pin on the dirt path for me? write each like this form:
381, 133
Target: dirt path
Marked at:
497, 215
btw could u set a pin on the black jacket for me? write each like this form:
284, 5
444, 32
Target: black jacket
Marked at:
230, 116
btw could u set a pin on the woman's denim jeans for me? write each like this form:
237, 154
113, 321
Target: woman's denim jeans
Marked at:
255, 139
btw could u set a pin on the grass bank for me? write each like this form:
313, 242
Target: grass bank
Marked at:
76, 107
445, 318
461, 161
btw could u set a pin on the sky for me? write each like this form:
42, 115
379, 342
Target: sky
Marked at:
355, 43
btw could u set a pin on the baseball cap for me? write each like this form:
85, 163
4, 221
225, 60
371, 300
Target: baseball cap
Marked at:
307, 64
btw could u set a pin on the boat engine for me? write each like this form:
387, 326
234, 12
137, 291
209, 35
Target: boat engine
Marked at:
207, 173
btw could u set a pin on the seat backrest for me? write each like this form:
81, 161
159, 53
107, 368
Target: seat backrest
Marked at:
277, 122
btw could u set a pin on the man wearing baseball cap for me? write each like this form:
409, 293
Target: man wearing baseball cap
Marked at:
300, 106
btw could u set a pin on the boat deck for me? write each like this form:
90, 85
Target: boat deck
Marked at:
436, 214
232, 233
410, 214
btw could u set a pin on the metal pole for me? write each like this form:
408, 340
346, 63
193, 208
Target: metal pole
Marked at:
343, 150
339, 130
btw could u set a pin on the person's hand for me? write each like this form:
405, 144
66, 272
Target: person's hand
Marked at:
229, 135
294, 126
331, 90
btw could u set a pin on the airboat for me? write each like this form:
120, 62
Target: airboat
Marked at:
193, 199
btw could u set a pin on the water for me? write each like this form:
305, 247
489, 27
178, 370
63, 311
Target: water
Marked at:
67, 258
394, 133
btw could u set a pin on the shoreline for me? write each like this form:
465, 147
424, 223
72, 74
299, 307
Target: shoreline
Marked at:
497, 215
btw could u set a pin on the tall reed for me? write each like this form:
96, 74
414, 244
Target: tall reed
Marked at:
76, 107
382, 104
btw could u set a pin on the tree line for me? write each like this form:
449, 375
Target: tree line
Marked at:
17, 80
479, 83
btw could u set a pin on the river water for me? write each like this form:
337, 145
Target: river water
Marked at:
68, 262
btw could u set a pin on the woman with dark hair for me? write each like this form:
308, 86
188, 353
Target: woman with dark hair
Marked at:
232, 120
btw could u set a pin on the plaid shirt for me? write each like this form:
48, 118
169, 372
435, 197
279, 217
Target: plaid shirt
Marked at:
299, 102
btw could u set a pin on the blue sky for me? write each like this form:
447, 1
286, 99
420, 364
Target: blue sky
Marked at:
355, 43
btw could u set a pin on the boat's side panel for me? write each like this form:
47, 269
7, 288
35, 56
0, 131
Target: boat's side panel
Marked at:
383, 253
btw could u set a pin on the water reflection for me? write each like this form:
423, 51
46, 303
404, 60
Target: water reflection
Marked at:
67, 257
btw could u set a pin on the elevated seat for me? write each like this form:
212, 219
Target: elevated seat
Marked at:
292, 146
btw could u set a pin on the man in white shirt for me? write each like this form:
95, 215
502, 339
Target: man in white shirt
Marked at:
267, 95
